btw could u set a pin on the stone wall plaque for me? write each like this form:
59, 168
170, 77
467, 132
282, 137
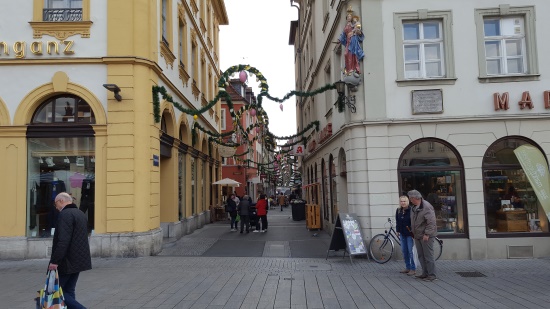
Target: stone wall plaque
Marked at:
428, 101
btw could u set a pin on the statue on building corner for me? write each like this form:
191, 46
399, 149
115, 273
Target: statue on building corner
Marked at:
351, 37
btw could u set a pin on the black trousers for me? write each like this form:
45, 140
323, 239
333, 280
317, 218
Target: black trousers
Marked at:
264, 223
245, 221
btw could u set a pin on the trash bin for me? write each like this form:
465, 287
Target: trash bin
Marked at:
298, 211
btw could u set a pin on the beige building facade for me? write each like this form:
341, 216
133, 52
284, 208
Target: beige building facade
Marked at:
445, 93
78, 114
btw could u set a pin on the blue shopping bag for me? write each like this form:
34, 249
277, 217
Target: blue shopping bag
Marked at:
51, 296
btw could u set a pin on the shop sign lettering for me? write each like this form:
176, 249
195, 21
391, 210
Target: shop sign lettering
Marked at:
39, 48
502, 101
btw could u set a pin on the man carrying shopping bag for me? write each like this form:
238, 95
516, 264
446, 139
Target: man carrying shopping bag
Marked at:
51, 296
71, 250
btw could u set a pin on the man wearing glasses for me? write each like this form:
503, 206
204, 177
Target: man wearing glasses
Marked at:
71, 250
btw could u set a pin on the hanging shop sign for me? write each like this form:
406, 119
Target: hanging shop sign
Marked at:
20, 48
502, 101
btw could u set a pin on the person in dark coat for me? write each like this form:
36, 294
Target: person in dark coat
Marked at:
232, 210
244, 211
70, 250
403, 228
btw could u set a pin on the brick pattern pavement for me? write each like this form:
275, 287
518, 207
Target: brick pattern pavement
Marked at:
222, 282
183, 277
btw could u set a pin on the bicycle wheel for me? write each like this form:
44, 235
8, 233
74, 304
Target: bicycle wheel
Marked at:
381, 248
438, 248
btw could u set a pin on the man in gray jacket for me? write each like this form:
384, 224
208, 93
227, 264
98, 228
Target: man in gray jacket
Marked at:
424, 230
244, 211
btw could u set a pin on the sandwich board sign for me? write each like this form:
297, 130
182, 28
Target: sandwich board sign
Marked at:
347, 235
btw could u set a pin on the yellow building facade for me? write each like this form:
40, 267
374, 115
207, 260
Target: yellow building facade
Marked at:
77, 115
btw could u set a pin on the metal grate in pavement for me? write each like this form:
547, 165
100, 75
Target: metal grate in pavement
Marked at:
470, 274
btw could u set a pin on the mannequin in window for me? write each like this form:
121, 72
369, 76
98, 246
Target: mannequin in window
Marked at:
68, 112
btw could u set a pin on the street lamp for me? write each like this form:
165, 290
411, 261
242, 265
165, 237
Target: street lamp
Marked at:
114, 88
342, 98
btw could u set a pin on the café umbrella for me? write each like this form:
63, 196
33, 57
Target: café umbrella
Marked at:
228, 182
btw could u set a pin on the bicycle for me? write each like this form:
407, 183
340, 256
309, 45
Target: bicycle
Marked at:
381, 246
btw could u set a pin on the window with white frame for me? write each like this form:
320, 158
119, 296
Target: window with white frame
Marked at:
63, 4
424, 47
222, 118
62, 10
506, 43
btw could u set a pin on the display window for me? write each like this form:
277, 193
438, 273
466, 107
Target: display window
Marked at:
60, 158
58, 165
434, 168
511, 205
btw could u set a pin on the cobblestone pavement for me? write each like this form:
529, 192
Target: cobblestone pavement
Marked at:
187, 276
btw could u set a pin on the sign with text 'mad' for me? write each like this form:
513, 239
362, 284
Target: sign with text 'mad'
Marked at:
534, 165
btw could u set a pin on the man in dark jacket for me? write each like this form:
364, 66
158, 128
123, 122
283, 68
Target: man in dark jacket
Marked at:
71, 250
244, 211
232, 210
424, 230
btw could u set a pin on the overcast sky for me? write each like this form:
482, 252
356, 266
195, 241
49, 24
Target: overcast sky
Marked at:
257, 35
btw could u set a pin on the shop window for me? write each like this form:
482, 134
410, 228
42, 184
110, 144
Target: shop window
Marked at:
511, 205
64, 109
435, 169
193, 186
324, 190
60, 158
334, 201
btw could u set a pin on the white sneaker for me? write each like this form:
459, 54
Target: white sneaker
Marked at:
263, 231
255, 231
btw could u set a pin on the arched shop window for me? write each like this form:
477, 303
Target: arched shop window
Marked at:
64, 109
60, 158
324, 190
434, 168
332, 176
511, 205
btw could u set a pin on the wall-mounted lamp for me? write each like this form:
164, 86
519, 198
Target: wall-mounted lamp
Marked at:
114, 88
342, 98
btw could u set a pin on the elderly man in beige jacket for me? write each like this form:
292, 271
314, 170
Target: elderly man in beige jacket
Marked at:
424, 229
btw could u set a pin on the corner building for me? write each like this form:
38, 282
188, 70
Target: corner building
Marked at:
448, 90
77, 114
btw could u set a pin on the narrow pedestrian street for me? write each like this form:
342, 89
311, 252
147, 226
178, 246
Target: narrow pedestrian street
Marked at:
285, 238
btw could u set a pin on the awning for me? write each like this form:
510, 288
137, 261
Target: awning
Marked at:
255, 180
